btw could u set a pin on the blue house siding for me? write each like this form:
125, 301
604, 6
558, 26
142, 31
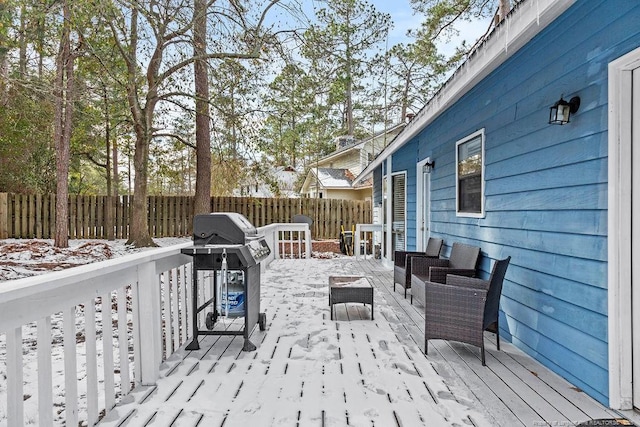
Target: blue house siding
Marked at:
545, 186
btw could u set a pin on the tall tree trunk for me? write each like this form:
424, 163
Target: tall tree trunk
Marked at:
40, 44
114, 162
349, 95
349, 88
139, 235
22, 43
202, 202
115, 203
5, 20
4, 79
63, 93
109, 210
405, 99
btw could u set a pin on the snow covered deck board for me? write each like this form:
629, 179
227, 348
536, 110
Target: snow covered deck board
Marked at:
309, 370
513, 388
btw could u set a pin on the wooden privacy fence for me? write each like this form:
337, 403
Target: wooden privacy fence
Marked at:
24, 216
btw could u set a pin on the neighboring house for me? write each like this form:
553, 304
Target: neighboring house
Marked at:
282, 184
562, 201
333, 183
332, 176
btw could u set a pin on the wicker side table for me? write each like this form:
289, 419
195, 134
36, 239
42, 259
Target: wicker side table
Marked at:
344, 289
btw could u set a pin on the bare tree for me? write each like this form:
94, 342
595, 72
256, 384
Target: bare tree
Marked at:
154, 38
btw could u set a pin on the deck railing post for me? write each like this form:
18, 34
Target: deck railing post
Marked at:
276, 243
15, 405
149, 324
307, 238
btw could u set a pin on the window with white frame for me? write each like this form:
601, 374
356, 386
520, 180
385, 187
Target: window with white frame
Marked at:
470, 175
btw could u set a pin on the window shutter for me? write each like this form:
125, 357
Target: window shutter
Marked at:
399, 209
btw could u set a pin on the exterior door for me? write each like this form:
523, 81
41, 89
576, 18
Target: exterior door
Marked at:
426, 208
385, 219
635, 227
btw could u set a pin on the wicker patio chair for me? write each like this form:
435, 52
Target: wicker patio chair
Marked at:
464, 307
462, 261
402, 262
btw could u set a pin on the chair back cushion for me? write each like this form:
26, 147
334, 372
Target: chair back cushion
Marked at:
434, 246
464, 256
495, 290
302, 219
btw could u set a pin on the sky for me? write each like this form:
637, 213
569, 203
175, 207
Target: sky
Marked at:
404, 19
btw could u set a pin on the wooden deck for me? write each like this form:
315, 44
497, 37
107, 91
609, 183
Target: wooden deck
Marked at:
309, 370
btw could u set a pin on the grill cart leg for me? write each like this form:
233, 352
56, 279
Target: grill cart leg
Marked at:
194, 345
248, 346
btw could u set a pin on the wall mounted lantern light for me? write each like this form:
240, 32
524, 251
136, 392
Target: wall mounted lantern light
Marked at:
428, 166
561, 111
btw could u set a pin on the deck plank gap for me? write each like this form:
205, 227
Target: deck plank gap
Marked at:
174, 391
196, 390
148, 394
127, 417
397, 419
431, 393
150, 419
235, 396
193, 368
173, 421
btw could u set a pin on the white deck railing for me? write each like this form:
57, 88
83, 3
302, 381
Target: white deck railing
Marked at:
65, 364
288, 240
367, 237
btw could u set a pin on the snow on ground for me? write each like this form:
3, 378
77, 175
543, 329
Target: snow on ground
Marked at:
23, 258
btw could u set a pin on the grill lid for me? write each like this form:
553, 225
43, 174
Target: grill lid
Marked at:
222, 228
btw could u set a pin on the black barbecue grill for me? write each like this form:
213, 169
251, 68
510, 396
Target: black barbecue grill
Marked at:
224, 242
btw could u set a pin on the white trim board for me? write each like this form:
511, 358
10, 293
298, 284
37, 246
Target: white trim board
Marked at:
420, 200
620, 230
